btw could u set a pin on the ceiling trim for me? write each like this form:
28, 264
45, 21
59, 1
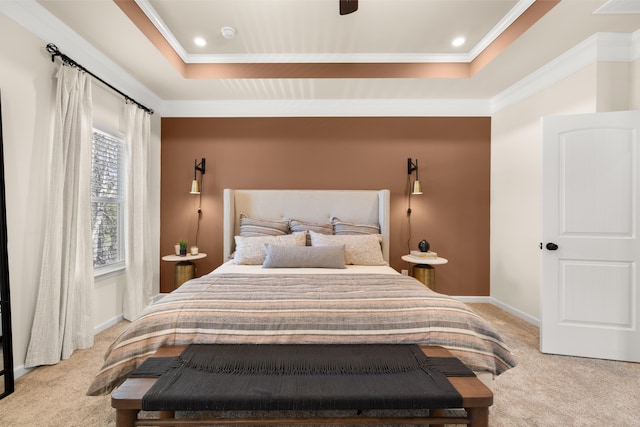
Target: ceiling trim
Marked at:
614, 47
514, 27
600, 47
331, 108
323, 58
160, 25
190, 58
514, 14
619, 7
635, 48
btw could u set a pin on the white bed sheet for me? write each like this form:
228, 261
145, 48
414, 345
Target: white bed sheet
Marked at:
230, 267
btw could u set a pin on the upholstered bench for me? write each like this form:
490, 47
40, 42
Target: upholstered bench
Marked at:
344, 381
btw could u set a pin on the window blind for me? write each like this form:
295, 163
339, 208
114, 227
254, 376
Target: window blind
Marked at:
107, 199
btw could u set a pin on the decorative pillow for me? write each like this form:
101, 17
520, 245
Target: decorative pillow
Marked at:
363, 249
251, 250
296, 225
250, 227
304, 257
342, 227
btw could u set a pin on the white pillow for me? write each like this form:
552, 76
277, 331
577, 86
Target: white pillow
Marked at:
359, 249
251, 250
304, 257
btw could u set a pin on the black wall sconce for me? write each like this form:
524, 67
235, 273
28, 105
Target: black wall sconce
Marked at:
195, 184
416, 188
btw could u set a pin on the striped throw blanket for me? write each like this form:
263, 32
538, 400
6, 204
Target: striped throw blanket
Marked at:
305, 309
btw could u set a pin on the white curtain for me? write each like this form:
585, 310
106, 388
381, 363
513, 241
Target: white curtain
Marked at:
138, 288
63, 318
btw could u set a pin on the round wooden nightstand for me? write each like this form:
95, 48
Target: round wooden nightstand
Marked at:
185, 268
423, 269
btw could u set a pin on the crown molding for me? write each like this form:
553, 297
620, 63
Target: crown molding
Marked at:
322, 58
188, 58
155, 19
613, 47
330, 108
500, 27
43, 24
635, 46
604, 47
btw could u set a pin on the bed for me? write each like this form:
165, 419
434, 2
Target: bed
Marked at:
304, 297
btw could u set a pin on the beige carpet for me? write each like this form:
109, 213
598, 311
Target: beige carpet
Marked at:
55, 395
547, 390
542, 391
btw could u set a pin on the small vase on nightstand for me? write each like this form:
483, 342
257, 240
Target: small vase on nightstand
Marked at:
424, 246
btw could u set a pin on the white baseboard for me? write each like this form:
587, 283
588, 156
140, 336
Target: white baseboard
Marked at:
19, 371
474, 299
119, 318
106, 325
490, 300
522, 315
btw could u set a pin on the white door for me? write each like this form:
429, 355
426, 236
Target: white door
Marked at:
590, 290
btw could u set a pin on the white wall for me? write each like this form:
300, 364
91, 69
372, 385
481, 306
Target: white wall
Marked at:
613, 83
27, 89
634, 85
515, 187
516, 152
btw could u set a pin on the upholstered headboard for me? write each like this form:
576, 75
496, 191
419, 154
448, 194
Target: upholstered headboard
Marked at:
358, 206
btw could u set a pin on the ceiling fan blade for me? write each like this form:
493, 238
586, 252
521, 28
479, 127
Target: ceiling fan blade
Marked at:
348, 6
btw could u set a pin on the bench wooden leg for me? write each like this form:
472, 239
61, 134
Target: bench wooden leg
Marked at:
478, 417
126, 417
164, 415
437, 413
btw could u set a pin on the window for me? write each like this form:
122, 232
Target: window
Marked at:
107, 202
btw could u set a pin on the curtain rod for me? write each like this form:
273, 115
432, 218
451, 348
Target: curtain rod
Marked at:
54, 51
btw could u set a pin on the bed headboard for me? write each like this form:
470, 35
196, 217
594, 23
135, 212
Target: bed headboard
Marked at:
358, 206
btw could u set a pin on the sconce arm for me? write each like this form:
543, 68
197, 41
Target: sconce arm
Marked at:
200, 166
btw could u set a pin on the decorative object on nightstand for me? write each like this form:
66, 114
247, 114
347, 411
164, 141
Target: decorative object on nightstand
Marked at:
183, 247
423, 269
423, 246
185, 269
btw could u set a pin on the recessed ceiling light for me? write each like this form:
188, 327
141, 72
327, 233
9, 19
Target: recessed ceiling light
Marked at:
200, 41
458, 41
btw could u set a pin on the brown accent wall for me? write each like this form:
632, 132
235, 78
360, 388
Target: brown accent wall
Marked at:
338, 153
